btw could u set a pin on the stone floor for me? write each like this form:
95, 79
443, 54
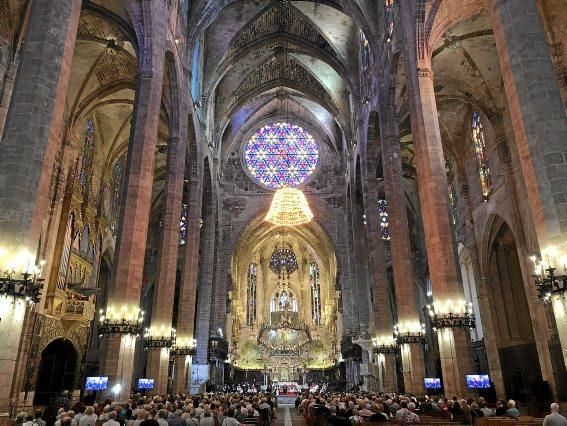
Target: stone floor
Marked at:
287, 416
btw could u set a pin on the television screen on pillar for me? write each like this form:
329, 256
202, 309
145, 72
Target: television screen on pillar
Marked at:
145, 384
96, 383
432, 383
478, 381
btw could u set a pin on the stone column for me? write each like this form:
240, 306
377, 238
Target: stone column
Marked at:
28, 149
454, 344
206, 264
188, 288
538, 118
124, 289
383, 319
413, 363
7, 89
164, 290
360, 259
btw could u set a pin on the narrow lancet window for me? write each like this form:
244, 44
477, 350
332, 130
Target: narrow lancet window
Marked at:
315, 293
481, 156
251, 295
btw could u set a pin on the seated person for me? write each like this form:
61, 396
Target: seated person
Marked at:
512, 411
378, 415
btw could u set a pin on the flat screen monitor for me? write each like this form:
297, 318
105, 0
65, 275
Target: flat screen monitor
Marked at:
145, 383
96, 383
432, 383
478, 381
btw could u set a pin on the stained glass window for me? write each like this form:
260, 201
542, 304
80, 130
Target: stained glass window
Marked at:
452, 193
87, 155
389, 15
283, 260
183, 225
251, 295
384, 224
117, 176
281, 154
481, 156
365, 51
315, 293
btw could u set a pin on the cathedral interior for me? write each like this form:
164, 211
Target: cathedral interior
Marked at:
362, 193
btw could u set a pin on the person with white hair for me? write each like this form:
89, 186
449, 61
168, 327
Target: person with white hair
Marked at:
89, 419
60, 416
111, 419
554, 419
406, 413
512, 411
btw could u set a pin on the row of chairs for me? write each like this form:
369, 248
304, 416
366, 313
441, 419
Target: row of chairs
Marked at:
487, 421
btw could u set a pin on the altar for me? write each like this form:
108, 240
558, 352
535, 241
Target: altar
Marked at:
286, 392
287, 388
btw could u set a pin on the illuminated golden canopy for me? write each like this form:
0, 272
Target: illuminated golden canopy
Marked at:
289, 208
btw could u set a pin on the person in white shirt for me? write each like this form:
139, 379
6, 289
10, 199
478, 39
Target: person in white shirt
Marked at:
111, 420
554, 419
89, 418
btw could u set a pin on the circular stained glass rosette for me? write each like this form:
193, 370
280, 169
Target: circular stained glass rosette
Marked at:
281, 155
283, 260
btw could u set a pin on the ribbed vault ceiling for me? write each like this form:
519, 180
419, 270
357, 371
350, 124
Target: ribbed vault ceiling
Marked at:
281, 59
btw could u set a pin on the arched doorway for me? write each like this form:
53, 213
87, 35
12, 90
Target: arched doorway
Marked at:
56, 371
511, 320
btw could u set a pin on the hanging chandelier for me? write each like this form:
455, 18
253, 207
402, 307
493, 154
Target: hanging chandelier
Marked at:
289, 208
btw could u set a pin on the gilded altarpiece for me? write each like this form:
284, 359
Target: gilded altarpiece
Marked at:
283, 305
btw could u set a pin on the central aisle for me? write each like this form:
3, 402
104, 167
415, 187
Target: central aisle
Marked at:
287, 416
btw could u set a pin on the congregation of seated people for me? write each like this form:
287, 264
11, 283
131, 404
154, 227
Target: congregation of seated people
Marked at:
347, 409
234, 409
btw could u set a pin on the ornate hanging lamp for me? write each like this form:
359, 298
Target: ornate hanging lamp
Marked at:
289, 208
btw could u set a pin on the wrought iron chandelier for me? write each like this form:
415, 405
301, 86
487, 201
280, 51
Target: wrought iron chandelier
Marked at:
547, 282
451, 315
121, 322
289, 208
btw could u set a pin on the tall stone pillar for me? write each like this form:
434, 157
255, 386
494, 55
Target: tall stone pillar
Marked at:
188, 289
413, 363
164, 290
124, 289
206, 264
360, 259
454, 345
6, 94
385, 360
538, 118
28, 149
